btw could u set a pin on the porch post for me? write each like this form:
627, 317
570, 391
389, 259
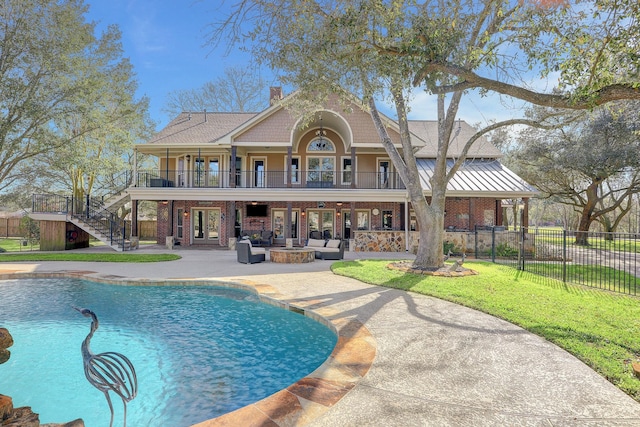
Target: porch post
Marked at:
134, 218
498, 216
289, 172
525, 212
353, 167
134, 178
232, 178
354, 220
189, 172
407, 225
171, 219
287, 220
231, 220
167, 167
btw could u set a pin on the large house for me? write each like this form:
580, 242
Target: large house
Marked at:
224, 175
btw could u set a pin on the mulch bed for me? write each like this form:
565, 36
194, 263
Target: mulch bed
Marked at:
447, 271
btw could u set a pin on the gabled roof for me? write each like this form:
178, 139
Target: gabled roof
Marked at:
221, 128
200, 128
427, 130
478, 178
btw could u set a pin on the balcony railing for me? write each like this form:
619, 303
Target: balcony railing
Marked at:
270, 179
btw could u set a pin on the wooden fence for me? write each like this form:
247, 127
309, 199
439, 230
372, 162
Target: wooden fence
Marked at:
10, 227
148, 229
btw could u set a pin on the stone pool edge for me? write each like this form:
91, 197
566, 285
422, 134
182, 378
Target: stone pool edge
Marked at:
301, 402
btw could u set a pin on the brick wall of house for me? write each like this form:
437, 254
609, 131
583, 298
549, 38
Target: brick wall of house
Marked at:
465, 213
461, 213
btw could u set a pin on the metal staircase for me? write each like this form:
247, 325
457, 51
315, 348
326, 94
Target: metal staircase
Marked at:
103, 223
95, 215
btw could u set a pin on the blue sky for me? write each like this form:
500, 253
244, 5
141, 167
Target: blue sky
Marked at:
165, 42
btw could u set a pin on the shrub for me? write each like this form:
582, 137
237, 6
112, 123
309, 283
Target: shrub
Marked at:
503, 250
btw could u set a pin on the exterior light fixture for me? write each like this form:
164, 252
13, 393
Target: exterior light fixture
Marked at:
254, 203
338, 203
320, 133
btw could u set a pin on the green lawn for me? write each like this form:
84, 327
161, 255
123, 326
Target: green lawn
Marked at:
595, 242
15, 245
600, 328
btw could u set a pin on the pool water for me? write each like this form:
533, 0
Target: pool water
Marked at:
199, 351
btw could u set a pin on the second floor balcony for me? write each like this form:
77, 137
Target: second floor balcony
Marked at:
270, 179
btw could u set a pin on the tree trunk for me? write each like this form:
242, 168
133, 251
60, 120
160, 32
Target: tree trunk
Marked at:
430, 253
586, 217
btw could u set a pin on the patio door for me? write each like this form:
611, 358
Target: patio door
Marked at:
384, 173
206, 226
259, 173
321, 223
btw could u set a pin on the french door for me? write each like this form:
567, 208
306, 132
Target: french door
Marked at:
206, 226
320, 223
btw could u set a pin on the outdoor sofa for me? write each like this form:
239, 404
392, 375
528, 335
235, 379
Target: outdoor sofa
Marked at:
248, 254
326, 249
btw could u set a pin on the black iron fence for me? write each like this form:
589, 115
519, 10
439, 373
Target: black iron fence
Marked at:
609, 261
269, 179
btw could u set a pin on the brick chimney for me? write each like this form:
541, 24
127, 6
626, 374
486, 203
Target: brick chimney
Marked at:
275, 94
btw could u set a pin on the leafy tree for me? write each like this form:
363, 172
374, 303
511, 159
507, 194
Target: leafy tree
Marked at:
378, 48
592, 165
30, 229
69, 108
239, 89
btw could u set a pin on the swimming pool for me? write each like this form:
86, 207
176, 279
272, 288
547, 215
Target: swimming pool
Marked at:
199, 351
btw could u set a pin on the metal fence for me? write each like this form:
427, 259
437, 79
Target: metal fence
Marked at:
608, 261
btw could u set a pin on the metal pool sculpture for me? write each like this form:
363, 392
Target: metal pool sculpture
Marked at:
108, 371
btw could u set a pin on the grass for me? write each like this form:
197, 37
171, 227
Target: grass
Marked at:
15, 245
595, 242
87, 257
597, 276
598, 327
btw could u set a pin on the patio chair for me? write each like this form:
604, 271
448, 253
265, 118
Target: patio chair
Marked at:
266, 238
315, 235
247, 254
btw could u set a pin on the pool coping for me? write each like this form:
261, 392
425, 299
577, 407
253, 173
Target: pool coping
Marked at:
301, 402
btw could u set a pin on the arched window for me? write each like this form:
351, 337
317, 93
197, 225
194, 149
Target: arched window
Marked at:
321, 144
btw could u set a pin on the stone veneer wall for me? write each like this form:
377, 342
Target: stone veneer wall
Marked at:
394, 241
379, 241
